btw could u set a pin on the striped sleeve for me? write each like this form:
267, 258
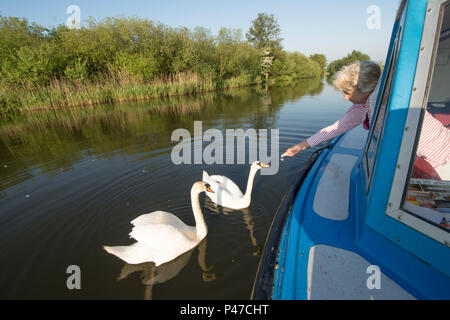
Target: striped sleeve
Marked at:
352, 118
434, 143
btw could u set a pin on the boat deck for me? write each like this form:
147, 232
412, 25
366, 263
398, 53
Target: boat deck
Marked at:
319, 257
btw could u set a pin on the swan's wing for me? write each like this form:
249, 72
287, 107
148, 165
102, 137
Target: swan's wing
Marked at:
226, 192
157, 217
140, 252
135, 253
227, 184
225, 198
167, 236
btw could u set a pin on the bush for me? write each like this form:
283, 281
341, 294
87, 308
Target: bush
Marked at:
141, 66
294, 66
9, 103
77, 71
33, 64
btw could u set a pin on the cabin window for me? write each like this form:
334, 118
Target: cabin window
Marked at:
376, 129
427, 192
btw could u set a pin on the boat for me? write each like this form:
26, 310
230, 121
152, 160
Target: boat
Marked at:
366, 218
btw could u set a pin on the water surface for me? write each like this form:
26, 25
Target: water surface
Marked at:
71, 181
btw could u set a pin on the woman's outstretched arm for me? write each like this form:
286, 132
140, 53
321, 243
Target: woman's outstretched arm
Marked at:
352, 118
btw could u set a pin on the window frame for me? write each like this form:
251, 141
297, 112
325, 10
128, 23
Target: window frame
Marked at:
417, 105
386, 89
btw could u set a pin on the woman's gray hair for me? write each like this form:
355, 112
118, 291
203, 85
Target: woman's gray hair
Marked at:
360, 74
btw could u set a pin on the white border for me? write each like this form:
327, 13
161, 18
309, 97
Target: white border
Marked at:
418, 96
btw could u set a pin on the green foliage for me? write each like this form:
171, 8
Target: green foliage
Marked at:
320, 59
142, 67
15, 33
9, 102
230, 36
336, 65
265, 32
122, 58
294, 65
77, 70
36, 64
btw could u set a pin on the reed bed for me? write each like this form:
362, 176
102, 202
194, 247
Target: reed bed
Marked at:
108, 88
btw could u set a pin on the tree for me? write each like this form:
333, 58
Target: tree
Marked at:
265, 32
226, 35
319, 58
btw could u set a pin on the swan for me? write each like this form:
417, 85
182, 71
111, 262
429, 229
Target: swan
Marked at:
161, 236
227, 193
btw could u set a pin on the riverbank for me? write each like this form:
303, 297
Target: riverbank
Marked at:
112, 89
121, 59
108, 89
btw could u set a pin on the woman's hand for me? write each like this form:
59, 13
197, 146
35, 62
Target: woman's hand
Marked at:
292, 151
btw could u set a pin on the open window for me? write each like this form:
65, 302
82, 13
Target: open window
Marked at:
427, 195
420, 194
379, 116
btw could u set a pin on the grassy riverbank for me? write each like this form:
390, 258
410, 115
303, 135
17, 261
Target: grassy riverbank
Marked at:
62, 93
124, 59
111, 89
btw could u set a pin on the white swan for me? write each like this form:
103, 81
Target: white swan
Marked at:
227, 194
161, 236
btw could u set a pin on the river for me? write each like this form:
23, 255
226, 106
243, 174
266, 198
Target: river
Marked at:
72, 180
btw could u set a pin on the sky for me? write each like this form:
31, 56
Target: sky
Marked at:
331, 27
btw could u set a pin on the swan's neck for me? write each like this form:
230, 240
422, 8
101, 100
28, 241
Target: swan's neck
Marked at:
198, 215
248, 192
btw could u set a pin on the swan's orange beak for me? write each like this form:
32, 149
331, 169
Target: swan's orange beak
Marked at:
208, 188
263, 165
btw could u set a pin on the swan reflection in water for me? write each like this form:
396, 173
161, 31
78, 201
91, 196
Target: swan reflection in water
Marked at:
246, 213
152, 275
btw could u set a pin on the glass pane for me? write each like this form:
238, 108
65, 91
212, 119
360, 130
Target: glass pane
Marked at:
428, 192
379, 120
376, 131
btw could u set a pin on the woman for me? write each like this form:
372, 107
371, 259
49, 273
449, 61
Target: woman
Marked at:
357, 81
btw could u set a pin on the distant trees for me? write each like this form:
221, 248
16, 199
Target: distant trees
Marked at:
265, 35
320, 59
139, 49
235, 57
336, 65
294, 65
